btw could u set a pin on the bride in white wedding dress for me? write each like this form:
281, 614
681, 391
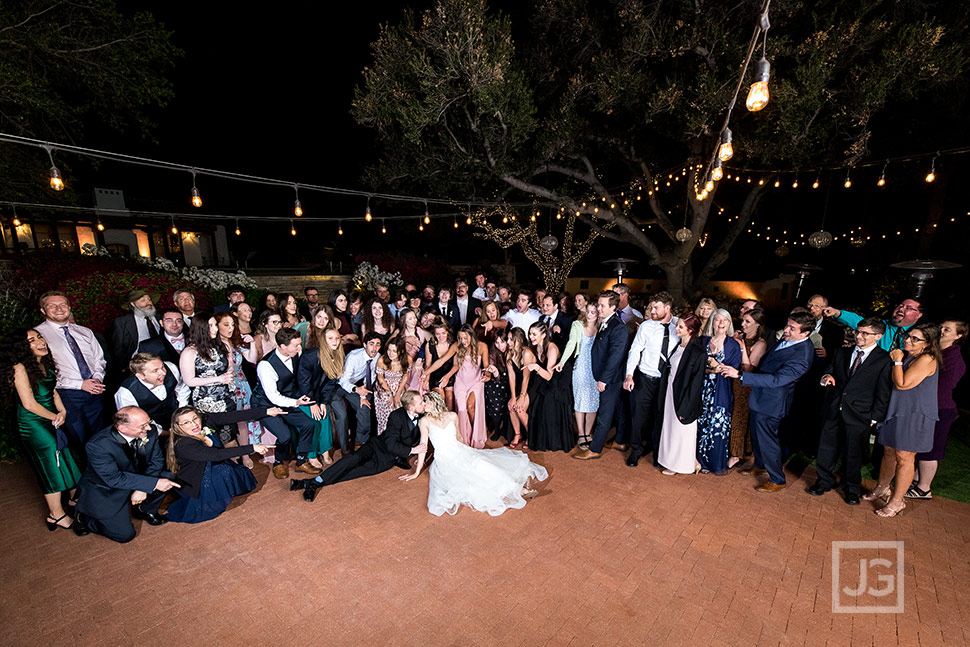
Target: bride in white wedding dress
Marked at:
487, 480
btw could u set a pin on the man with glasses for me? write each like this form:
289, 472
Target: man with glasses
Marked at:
858, 384
125, 464
905, 316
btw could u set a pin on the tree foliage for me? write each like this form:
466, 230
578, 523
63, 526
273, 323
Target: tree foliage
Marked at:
599, 96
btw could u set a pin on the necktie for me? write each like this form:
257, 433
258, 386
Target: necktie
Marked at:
896, 338
138, 454
82, 363
368, 380
664, 359
152, 330
856, 362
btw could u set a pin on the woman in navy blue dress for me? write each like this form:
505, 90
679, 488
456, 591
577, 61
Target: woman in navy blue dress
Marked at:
714, 424
209, 479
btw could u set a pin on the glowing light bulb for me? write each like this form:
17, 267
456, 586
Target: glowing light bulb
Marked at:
175, 230
709, 186
420, 227
340, 230
456, 223
238, 231
100, 226
383, 229
427, 219
297, 208
367, 215
815, 184
56, 182
16, 221
794, 184
292, 230
726, 151
848, 183
196, 198
882, 181
468, 220
930, 177
758, 95
777, 183
717, 172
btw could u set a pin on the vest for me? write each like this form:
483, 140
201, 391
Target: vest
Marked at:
158, 410
285, 380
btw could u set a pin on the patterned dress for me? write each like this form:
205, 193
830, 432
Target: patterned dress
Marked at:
382, 399
243, 393
714, 424
215, 398
586, 397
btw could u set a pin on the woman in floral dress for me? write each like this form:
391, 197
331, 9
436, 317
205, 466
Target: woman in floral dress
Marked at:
717, 397
391, 369
206, 367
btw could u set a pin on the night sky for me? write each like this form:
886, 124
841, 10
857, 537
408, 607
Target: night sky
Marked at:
268, 93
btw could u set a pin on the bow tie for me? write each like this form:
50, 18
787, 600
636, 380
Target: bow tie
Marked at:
179, 338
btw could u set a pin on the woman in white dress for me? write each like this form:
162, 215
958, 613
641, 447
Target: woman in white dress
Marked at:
487, 480
682, 402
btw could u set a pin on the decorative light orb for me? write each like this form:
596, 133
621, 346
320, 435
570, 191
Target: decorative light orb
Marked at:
549, 243
684, 234
820, 239
857, 241
717, 172
781, 250
709, 186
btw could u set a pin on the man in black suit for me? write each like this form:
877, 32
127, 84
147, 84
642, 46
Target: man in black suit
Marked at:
557, 321
125, 464
129, 330
234, 294
858, 384
445, 308
185, 303
400, 440
468, 308
170, 344
607, 358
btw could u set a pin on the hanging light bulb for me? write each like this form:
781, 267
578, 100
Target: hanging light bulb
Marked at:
882, 176
292, 229
726, 151
709, 186
100, 225
367, 214
297, 207
421, 227
794, 184
456, 222
777, 183
238, 231
383, 227
758, 94
56, 182
427, 218
815, 183
716, 173
340, 228
930, 177
16, 220
175, 230
848, 180
196, 198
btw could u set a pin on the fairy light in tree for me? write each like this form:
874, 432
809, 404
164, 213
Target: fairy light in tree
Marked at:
726, 151
930, 177
882, 176
367, 215
297, 207
709, 186
57, 183
196, 196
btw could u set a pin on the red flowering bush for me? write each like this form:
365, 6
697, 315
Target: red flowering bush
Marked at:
413, 268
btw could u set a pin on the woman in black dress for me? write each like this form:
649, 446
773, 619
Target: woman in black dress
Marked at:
206, 366
518, 357
550, 408
497, 390
208, 478
439, 353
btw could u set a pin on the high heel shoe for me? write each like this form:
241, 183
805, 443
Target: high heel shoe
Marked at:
53, 525
516, 441
888, 511
878, 493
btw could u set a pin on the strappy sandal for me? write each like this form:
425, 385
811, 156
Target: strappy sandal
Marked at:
877, 493
915, 493
889, 510
52, 523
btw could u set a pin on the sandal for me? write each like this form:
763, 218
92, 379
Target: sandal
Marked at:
878, 493
889, 510
516, 441
52, 523
915, 493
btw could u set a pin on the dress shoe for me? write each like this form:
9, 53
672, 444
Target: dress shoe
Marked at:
632, 460
402, 463
587, 455
298, 484
306, 468
617, 446
770, 487
152, 518
817, 490
852, 499
80, 526
280, 471
310, 492
754, 471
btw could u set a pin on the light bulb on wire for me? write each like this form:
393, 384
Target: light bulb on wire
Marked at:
292, 229
340, 228
726, 151
930, 177
238, 230
758, 94
848, 180
100, 225
882, 176
367, 215
383, 227
16, 220
427, 218
815, 183
297, 207
57, 183
716, 173
175, 230
196, 197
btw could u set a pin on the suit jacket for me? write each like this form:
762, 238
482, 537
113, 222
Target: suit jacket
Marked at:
401, 434
111, 475
689, 382
561, 338
832, 335
313, 380
124, 340
160, 346
470, 315
864, 397
774, 383
453, 318
608, 356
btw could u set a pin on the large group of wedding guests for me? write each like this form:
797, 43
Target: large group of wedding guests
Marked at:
178, 403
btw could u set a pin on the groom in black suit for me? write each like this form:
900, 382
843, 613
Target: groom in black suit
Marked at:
608, 359
400, 440
125, 463
858, 385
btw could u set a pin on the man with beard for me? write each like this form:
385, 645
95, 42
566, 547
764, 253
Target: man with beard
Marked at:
905, 316
129, 330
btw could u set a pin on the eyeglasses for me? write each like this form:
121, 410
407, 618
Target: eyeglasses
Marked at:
915, 340
866, 333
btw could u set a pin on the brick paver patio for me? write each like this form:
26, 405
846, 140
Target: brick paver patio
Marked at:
606, 555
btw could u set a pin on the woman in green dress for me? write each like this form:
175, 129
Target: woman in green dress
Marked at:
28, 369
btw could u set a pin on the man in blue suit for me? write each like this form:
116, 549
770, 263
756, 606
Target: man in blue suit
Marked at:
608, 359
771, 395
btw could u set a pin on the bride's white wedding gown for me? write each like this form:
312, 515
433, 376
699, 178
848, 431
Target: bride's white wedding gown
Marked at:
487, 480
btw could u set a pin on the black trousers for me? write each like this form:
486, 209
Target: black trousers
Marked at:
366, 461
850, 442
119, 527
609, 401
645, 431
295, 428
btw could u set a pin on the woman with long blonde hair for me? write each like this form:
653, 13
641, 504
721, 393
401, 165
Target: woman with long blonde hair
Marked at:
518, 358
318, 376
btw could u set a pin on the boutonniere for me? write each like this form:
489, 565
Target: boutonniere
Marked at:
144, 441
208, 431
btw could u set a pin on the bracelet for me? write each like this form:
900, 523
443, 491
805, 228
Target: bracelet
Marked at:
897, 363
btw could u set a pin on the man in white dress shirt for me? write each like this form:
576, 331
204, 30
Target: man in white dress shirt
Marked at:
646, 367
522, 316
358, 380
278, 387
480, 282
80, 368
627, 312
469, 308
155, 387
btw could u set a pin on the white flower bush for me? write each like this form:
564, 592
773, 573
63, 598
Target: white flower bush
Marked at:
368, 276
94, 250
212, 280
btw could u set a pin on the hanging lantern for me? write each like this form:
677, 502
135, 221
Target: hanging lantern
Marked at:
684, 234
820, 239
781, 250
549, 243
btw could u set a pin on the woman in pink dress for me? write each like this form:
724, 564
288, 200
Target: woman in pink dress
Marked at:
470, 357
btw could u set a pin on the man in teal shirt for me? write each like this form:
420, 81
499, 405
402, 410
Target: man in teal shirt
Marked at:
904, 317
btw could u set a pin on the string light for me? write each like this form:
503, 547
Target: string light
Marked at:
427, 218
726, 151
709, 186
367, 215
196, 196
383, 227
468, 219
16, 220
175, 230
794, 184
292, 229
340, 228
297, 207
882, 176
57, 183
777, 183
848, 180
815, 183
100, 225
716, 173
456, 222
238, 230
930, 177
758, 94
